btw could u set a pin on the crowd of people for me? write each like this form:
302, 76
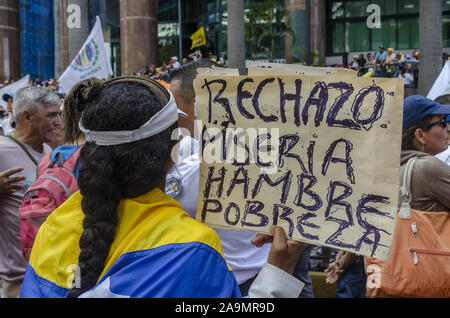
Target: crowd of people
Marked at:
124, 164
389, 63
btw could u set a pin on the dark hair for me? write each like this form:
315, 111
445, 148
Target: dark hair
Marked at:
109, 174
409, 134
185, 75
443, 100
74, 104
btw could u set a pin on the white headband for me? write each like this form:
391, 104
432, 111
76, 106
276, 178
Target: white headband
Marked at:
162, 120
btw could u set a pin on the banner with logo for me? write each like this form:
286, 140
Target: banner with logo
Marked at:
11, 89
316, 152
198, 38
91, 61
442, 84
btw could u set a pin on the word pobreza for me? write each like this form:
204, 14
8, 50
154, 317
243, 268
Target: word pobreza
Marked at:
336, 153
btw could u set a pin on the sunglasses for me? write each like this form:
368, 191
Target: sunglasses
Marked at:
442, 123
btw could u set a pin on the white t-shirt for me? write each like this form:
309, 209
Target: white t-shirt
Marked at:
408, 78
245, 259
12, 263
6, 126
445, 156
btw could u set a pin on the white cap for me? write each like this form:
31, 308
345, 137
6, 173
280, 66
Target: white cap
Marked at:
162, 120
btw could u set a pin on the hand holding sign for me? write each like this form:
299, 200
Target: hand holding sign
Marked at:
317, 155
284, 253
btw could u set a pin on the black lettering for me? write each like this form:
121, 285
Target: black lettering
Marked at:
346, 90
222, 101
302, 189
320, 102
370, 229
302, 221
291, 97
253, 207
310, 152
286, 180
257, 149
261, 85
377, 108
210, 180
288, 142
237, 214
245, 180
241, 94
347, 160
216, 209
339, 201
236, 138
284, 216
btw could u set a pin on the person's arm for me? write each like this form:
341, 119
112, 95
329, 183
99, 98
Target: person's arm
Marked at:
347, 260
8, 184
334, 269
275, 279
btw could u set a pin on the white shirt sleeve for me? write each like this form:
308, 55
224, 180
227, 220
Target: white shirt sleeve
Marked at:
273, 282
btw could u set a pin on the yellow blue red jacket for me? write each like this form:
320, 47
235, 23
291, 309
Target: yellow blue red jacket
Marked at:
158, 251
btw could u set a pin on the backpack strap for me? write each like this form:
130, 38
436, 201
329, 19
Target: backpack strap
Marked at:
72, 162
23, 148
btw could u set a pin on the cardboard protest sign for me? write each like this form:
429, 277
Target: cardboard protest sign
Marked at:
318, 155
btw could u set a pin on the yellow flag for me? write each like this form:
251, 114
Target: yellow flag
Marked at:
198, 38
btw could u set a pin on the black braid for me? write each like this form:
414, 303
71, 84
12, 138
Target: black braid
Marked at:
109, 174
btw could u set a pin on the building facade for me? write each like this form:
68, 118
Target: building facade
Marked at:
349, 32
144, 32
37, 45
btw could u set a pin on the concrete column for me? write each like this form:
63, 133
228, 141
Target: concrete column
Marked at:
77, 36
62, 58
296, 50
57, 17
138, 34
236, 35
10, 55
318, 29
430, 41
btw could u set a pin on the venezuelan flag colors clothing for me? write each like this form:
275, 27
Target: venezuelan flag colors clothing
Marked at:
158, 251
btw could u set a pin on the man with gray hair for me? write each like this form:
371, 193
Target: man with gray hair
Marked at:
37, 114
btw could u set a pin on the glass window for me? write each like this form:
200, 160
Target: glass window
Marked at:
356, 37
356, 8
167, 10
408, 33
166, 49
408, 6
385, 35
446, 31
167, 29
337, 10
338, 38
445, 5
388, 7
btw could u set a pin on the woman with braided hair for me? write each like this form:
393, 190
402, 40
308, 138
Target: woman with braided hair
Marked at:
121, 235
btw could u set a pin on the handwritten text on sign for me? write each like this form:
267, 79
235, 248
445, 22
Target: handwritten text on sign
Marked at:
318, 155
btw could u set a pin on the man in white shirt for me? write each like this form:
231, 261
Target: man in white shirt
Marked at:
37, 114
174, 62
245, 259
7, 124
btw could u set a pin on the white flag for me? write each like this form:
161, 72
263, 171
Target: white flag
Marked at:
442, 84
13, 88
91, 61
